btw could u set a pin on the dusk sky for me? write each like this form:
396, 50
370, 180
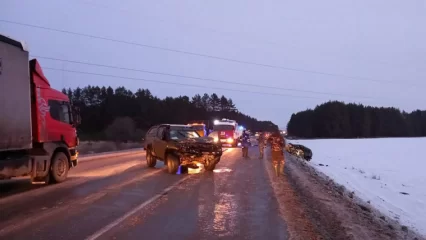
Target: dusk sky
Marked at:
364, 51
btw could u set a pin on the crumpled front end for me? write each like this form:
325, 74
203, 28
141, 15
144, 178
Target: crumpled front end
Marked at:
299, 151
190, 152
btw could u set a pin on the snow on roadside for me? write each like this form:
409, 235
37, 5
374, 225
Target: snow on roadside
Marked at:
388, 172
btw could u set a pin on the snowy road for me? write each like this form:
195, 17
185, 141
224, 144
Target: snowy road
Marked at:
120, 198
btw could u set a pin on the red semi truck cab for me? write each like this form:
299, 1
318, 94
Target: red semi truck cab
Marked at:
38, 136
52, 114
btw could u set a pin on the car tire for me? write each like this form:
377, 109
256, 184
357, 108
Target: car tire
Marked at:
172, 164
211, 165
151, 161
59, 168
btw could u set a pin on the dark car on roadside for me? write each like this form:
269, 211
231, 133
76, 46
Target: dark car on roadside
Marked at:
180, 145
299, 151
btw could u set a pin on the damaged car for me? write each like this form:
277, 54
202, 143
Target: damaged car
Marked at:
299, 151
180, 145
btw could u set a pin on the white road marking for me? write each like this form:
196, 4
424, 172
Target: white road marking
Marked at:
118, 221
87, 200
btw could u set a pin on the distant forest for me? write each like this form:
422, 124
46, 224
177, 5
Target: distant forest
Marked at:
115, 114
339, 120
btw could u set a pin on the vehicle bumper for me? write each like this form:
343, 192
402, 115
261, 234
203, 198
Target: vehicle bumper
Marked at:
225, 141
74, 157
206, 157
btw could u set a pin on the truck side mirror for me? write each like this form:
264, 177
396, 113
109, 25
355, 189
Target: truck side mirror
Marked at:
76, 115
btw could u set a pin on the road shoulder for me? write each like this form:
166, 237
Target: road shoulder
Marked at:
292, 211
336, 213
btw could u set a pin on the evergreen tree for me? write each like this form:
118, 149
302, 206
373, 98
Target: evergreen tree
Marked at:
196, 100
224, 104
103, 109
231, 106
205, 101
339, 120
215, 102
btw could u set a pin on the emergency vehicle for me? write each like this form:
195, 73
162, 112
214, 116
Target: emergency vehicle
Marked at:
228, 131
199, 127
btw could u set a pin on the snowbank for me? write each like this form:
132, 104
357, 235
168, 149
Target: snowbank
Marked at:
388, 172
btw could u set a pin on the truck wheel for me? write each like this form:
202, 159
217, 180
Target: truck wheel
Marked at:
59, 168
172, 164
151, 161
211, 165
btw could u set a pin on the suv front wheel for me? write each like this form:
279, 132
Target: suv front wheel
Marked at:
172, 163
151, 161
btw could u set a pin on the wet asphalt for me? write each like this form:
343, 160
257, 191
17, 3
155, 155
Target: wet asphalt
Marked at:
120, 198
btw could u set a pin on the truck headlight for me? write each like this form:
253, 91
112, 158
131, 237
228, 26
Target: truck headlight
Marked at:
215, 139
230, 140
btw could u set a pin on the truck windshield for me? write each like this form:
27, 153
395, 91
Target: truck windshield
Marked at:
182, 134
223, 127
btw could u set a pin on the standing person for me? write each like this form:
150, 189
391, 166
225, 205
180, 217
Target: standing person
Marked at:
262, 144
245, 142
277, 148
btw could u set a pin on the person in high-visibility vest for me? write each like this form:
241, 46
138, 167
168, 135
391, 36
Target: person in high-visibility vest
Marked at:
262, 144
277, 149
245, 143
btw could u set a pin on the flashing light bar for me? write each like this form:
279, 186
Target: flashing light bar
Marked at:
216, 122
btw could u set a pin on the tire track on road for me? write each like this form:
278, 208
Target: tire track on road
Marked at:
235, 202
77, 208
118, 221
144, 205
67, 206
69, 183
15, 223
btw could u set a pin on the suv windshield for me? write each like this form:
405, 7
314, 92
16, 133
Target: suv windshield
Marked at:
198, 127
223, 127
176, 134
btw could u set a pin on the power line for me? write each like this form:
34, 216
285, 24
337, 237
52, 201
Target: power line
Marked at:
180, 84
203, 55
187, 25
197, 78
249, 37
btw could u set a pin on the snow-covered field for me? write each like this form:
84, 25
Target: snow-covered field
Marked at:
388, 172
